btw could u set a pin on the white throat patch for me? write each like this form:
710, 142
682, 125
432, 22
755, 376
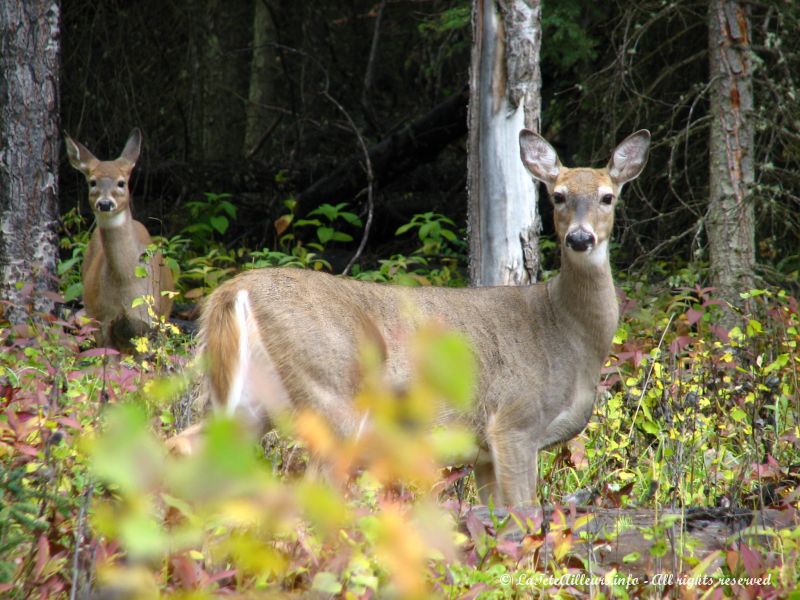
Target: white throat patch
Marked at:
112, 221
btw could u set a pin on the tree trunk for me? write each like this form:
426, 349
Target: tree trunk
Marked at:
505, 86
29, 139
221, 68
730, 222
262, 80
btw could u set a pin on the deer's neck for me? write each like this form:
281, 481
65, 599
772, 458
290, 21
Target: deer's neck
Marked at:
585, 302
121, 247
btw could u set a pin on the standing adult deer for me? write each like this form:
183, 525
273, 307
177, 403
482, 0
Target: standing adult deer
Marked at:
116, 249
278, 339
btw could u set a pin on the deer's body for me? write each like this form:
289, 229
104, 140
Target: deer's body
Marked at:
116, 248
277, 339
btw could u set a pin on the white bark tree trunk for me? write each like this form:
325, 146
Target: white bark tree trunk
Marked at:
505, 85
730, 221
29, 143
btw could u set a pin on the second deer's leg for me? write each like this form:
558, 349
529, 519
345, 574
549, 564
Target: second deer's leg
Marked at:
485, 481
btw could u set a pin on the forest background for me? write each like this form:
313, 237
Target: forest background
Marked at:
256, 115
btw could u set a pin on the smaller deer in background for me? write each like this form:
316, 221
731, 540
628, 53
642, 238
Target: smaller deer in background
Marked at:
116, 248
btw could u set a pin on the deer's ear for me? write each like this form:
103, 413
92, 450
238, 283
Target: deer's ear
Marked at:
79, 156
629, 158
539, 157
133, 146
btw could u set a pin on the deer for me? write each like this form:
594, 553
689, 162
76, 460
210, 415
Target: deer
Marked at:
280, 339
116, 249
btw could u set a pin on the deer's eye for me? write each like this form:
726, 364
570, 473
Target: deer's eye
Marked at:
92, 183
558, 198
121, 183
607, 199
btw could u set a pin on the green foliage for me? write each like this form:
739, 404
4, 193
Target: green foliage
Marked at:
223, 509
438, 260
209, 217
564, 29
74, 242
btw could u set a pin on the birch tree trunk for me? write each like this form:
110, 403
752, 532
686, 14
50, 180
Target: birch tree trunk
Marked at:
29, 142
505, 86
730, 221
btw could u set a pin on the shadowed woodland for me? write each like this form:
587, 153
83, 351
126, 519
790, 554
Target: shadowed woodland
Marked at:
335, 136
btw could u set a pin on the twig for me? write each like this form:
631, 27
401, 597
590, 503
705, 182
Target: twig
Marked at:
647, 379
368, 72
370, 179
87, 499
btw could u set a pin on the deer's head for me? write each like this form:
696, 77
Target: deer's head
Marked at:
109, 195
584, 199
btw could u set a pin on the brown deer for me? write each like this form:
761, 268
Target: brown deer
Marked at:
116, 249
279, 339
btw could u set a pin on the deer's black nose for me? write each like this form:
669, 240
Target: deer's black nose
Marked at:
105, 205
580, 240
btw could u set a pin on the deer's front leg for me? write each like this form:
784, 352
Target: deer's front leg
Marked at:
514, 457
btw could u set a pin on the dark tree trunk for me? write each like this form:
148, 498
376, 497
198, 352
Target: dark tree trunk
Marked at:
221, 49
730, 221
29, 139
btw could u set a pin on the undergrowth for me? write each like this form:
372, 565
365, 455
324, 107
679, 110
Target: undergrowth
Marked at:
690, 416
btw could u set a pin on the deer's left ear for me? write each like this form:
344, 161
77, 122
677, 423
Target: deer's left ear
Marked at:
629, 158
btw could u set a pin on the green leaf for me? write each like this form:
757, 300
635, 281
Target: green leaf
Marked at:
650, 427
738, 415
631, 557
776, 364
338, 236
327, 583
66, 265
325, 234
219, 223
73, 291
140, 271
449, 365
403, 228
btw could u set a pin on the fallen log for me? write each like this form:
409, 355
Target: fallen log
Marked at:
416, 143
640, 542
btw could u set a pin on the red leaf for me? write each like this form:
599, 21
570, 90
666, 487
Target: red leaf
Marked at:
26, 449
70, 422
693, 316
98, 352
42, 556
53, 296
751, 561
475, 526
222, 575
510, 548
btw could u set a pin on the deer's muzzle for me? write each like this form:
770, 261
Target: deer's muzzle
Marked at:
580, 240
105, 205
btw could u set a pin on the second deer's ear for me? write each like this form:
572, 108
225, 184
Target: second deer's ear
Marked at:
539, 157
133, 146
630, 157
79, 156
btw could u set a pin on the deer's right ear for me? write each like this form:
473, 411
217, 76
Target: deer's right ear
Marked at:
79, 156
133, 146
539, 157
